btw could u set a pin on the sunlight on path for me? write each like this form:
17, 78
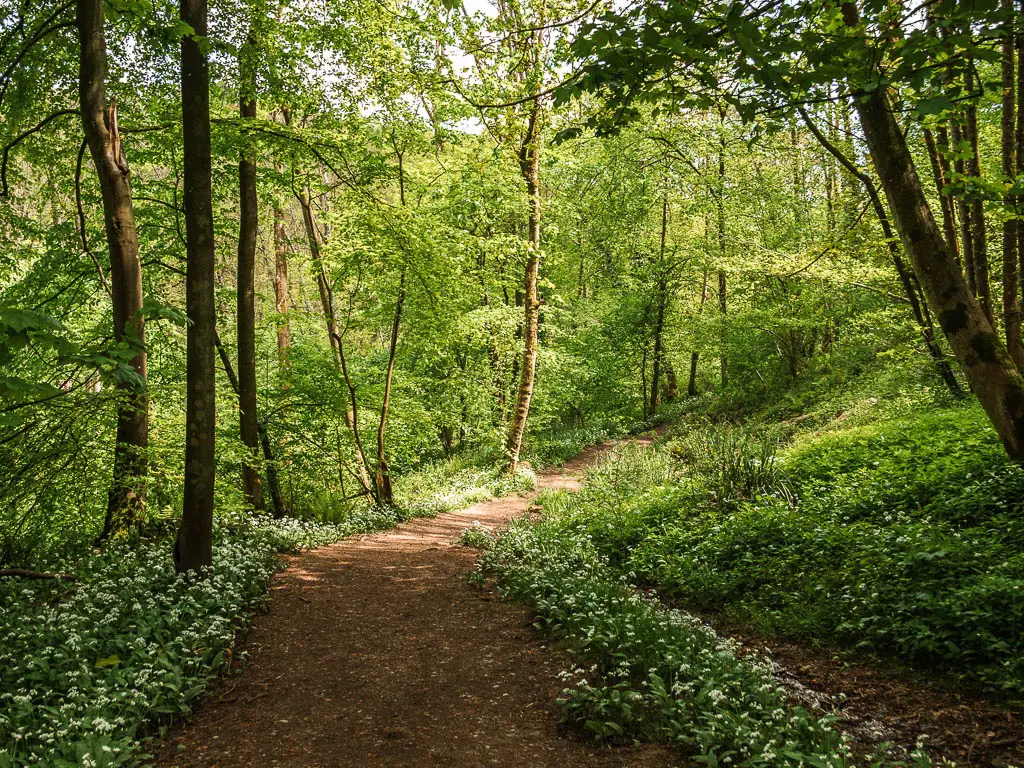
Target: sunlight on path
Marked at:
376, 652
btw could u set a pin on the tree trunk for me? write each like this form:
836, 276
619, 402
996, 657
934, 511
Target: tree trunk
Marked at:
327, 304
1019, 137
963, 212
659, 323
990, 370
529, 164
720, 215
1011, 302
671, 391
910, 290
315, 242
273, 483
127, 495
382, 478
722, 310
252, 485
193, 549
938, 147
938, 153
691, 387
281, 295
1019, 134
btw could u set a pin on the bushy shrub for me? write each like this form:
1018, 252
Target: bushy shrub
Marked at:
732, 463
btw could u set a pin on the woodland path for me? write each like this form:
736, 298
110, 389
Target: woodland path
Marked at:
376, 651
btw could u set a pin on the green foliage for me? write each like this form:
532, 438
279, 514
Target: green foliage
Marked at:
87, 668
476, 536
733, 464
901, 536
645, 671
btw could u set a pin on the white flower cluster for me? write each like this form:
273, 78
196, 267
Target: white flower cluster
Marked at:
647, 671
81, 675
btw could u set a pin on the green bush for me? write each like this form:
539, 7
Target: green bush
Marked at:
904, 536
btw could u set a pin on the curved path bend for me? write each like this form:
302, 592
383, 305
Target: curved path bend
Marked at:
376, 652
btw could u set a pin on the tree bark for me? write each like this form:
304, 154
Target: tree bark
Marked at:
987, 364
938, 146
281, 290
127, 495
382, 478
659, 322
273, 482
720, 216
938, 153
963, 211
982, 278
193, 549
671, 391
529, 165
906, 278
1019, 136
691, 387
252, 484
327, 305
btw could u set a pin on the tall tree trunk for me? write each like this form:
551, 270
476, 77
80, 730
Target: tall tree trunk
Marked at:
382, 478
273, 482
990, 371
315, 242
281, 290
1011, 302
938, 147
982, 278
193, 549
1019, 135
529, 165
906, 277
691, 387
723, 311
963, 210
252, 484
938, 153
1019, 132
720, 216
659, 322
127, 495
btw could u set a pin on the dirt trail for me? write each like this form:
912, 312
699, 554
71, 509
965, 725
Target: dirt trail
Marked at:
376, 652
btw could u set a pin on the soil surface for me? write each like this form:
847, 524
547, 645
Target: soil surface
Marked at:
878, 703
376, 652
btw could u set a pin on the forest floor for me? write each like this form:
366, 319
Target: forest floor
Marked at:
375, 651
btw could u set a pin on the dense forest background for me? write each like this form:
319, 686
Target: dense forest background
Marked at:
694, 253
441, 241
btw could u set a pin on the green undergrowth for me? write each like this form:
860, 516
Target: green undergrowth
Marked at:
647, 672
87, 667
555, 447
901, 535
454, 485
91, 667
